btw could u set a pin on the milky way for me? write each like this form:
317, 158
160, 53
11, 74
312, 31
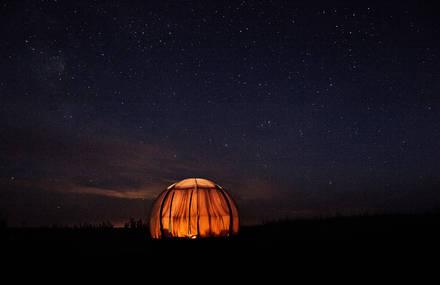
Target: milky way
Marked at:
297, 109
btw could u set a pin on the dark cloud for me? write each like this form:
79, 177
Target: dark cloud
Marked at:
51, 163
43, 168
87, 161
27, 204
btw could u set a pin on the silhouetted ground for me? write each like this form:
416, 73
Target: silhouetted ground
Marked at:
375, 239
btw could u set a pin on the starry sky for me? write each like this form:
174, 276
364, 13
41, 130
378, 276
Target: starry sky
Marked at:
297, 109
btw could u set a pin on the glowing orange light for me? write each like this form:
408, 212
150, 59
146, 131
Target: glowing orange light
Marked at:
193, 208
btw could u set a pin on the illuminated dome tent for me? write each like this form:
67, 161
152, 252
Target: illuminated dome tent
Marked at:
193, 208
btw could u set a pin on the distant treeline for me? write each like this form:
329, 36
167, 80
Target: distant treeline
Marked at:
142, 224
132, 223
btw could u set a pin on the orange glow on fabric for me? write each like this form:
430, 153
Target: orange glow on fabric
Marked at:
194, 208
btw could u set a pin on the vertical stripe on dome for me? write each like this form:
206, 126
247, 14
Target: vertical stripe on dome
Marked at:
161, 210
171, 207
229, 208
197, 211
189, 211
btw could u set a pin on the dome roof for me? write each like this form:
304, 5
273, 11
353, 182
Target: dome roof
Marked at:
193, 208
194, 182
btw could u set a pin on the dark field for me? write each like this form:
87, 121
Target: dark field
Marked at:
362, 237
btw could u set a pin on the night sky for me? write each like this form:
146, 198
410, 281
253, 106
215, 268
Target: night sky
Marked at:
298, 110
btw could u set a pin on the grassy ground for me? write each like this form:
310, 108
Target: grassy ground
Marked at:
375, 239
